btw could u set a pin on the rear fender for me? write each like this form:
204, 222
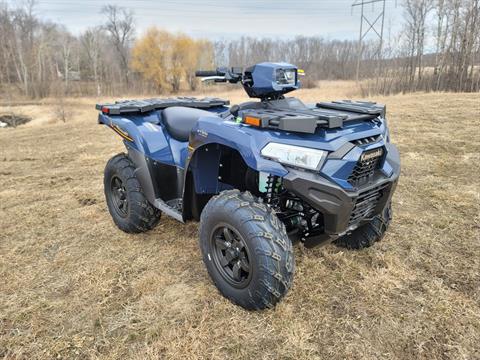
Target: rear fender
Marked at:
142, 133
123, 127
158, 171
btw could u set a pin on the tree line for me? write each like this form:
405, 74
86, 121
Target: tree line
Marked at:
39, 58
454, 63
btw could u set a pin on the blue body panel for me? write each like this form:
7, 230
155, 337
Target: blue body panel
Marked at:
150, 138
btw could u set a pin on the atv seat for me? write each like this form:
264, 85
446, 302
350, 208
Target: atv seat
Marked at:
180, 121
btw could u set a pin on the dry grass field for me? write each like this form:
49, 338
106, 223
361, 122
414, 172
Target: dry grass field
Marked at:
75, 287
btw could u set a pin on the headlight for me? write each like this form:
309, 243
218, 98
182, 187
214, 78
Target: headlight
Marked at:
286, 76
303, 157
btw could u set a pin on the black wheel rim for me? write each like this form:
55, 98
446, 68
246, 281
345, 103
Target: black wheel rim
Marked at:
119, 196
231, 255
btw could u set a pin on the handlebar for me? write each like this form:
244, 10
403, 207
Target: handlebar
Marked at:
206, 73
221, 74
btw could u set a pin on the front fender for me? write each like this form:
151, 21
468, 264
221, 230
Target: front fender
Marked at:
230, 134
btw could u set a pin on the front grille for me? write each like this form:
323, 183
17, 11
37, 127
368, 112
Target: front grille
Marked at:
365, 168
367, 140
366, 204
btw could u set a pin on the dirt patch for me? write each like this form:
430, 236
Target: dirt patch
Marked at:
12, 120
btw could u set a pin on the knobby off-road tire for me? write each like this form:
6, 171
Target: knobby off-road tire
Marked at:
368, 234
246, 250
126, 201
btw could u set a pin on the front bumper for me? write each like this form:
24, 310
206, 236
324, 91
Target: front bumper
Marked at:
340, 208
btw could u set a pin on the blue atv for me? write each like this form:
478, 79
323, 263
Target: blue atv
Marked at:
258, 175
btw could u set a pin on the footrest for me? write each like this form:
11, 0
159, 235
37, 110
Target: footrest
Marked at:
174, 212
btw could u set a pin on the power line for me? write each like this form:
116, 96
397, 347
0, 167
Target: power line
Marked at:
373, 23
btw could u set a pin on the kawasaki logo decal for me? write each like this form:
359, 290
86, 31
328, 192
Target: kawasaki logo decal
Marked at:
372, 154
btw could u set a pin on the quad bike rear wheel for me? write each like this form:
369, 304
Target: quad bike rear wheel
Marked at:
126, 201
246, 250
369, 233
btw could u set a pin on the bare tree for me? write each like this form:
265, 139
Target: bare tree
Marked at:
416, 12
120, 25
91, 41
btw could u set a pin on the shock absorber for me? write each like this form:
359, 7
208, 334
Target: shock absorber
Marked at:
271, 183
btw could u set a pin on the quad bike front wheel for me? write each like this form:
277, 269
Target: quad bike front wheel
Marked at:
369, 233
246, 250
126, 201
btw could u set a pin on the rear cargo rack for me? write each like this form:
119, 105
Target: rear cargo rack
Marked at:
144, 106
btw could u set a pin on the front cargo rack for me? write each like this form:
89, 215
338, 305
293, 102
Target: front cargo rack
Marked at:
359, 107
304, 121
307, 120
147, 105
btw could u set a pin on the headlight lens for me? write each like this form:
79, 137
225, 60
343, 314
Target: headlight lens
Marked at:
286, 76
303, 157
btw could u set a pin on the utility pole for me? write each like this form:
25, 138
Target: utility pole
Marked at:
373, 23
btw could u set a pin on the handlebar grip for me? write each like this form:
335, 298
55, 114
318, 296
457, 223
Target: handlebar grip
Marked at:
205, 73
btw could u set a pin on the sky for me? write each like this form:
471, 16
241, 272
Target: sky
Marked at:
222, 19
